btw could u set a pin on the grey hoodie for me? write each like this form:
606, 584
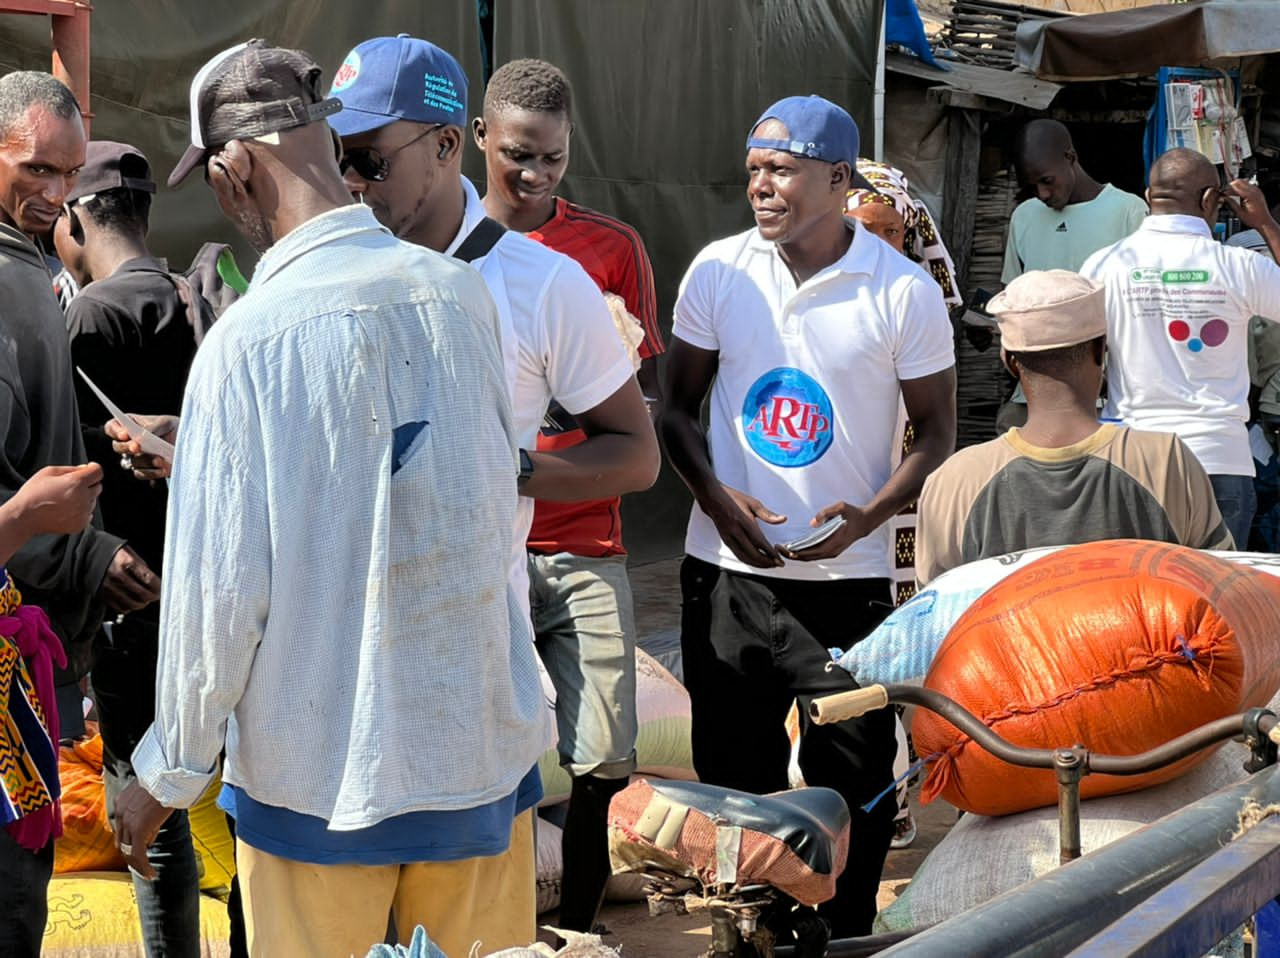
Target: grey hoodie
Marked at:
39, 427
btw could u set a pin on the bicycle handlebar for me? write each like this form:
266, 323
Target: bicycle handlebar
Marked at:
846, 705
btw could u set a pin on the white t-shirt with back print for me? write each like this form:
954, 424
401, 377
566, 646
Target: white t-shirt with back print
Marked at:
1178, 311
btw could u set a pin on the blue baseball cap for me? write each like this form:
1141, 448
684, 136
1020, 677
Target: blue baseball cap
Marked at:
817, 128
398, 78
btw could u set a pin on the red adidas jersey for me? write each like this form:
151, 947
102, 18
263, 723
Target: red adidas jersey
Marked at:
613, 255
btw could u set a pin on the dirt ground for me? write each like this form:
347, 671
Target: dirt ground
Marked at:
656, 587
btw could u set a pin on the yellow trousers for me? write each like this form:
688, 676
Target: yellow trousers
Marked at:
341, 911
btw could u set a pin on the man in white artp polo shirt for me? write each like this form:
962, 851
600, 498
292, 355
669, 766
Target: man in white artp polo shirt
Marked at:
1178, 311
403, 127
807, 330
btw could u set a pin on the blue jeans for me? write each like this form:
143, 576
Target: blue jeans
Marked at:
24, 897
1237, 501
124, 681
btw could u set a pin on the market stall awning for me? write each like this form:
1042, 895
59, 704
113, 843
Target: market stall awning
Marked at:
1007, 86
1129, 43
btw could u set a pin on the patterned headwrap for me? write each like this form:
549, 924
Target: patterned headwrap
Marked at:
921, 240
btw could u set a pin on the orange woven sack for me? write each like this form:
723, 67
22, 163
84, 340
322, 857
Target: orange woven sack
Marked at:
1119, 646
87, 843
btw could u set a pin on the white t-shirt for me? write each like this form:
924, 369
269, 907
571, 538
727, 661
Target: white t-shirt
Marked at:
1178, 311
1041, 237
558, 341
804, 408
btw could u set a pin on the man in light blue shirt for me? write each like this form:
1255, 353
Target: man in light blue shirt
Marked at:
403, 127
336, 602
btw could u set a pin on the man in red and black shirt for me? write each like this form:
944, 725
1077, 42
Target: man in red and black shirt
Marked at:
579, 591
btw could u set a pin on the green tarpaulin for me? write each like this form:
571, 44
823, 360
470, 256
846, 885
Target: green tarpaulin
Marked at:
664, 93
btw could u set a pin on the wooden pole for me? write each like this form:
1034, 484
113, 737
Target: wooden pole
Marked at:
71, 55
960, 188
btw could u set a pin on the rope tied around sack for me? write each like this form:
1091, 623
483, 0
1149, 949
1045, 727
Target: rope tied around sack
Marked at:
919, 764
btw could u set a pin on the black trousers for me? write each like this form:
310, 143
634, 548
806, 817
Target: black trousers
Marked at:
752, 645
24, 897
124, 685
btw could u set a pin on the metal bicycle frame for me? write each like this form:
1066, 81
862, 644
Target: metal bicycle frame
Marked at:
1062, 909
1070, 763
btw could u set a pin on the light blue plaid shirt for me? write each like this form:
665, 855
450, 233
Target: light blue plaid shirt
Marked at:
336, 598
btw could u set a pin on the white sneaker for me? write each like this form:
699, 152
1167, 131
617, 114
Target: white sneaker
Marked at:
904, 832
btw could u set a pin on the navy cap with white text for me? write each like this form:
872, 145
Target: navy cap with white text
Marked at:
398, 78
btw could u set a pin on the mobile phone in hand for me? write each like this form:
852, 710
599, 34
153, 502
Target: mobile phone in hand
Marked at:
818, 535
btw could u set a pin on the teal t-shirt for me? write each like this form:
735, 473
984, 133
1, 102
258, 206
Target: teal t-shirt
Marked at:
1041, 237
1044, 238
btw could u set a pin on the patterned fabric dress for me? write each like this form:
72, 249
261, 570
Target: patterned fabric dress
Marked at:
29, 788
922, 244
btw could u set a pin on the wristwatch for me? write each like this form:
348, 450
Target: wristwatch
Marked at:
526, 468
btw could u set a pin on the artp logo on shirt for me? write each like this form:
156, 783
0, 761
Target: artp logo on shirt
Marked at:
1213, 333
787, 418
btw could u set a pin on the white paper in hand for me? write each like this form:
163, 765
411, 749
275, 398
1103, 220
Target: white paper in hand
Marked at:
151, 444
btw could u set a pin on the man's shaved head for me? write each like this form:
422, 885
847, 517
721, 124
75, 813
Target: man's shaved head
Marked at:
1184, 181
1181, 170
1045, 160
1042, 140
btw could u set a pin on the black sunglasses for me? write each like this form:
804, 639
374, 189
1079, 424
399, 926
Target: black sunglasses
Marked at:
374, 166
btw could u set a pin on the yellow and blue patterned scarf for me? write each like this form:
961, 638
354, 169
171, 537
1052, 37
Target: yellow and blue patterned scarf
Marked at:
29, 787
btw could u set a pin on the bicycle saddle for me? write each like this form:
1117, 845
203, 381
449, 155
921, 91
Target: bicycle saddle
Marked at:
808, 820
797, 842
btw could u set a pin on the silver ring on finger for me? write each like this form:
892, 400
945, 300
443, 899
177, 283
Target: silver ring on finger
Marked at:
126, 463
126, 849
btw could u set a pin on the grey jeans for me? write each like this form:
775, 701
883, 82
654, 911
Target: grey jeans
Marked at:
584, 624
